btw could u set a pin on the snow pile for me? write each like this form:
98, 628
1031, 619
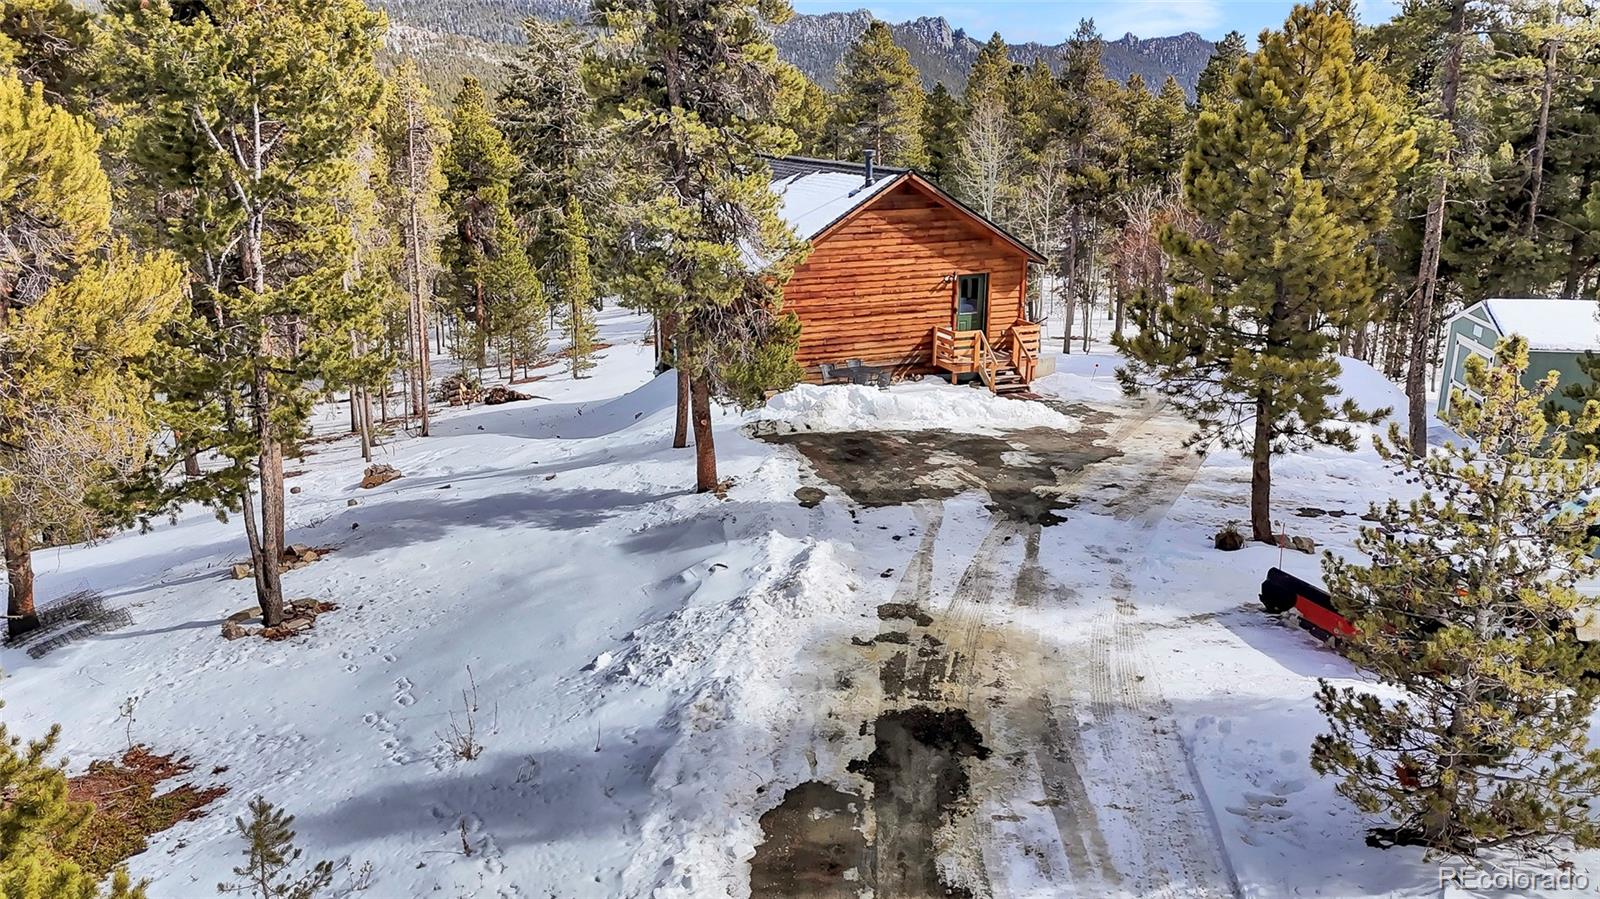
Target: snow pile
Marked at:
926, 404
745, 725
1369, 388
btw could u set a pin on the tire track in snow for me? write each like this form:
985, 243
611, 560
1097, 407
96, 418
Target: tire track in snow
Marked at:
1131, 724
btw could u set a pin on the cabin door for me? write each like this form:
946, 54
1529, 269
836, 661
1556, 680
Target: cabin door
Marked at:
972, 302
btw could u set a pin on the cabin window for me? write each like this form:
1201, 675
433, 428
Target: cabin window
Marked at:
972, 301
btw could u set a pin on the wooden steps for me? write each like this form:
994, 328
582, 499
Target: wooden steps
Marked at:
1005, 369
1007, 380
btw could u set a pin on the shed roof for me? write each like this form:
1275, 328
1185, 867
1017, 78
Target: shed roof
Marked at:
1549, 325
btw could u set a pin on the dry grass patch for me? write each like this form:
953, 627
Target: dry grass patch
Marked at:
127, 808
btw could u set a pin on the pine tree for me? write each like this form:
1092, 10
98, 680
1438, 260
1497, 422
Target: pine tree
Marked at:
1574, 219
990, 71
941, 135
1087, 140
270, 856
988, 147
1467, 606
38, 822
1172, 125
1213, 81
350, 348
487, 272
699, 107
880, 100
413, 134
1044, 171
77, 312
574, 289
252, 111
1136, 109
1519, 228
807, 110
53, 44
544, 112
1445, 146
1291, 182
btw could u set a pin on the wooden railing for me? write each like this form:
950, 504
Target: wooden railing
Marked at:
985, 360
1023, 339
965, 351
955, 350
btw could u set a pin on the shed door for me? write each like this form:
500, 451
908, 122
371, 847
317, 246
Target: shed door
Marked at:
972, 302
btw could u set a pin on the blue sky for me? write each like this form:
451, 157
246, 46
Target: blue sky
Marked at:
1051, 21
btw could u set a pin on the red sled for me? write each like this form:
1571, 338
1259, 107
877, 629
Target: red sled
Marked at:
1282, 591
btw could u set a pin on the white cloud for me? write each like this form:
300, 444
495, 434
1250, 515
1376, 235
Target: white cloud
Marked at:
1156, 18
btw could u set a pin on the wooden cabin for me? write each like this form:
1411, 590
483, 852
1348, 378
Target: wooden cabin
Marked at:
903, 279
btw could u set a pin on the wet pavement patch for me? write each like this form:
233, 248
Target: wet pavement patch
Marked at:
1022, 471
918, 778
814, 846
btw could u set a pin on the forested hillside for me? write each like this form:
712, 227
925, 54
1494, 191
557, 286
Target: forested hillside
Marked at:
813, 43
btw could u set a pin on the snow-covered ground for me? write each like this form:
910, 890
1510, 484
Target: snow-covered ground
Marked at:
656, 669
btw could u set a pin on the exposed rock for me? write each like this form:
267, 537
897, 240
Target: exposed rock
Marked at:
233, 630
1229, 539
294, 489
810, 497
298, 616
352, 502
1304, 544
378, 475
241, 570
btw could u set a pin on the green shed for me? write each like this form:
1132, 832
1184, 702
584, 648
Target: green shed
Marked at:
1557, 331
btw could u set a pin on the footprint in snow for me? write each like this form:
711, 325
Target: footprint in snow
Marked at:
389, 742
402, 692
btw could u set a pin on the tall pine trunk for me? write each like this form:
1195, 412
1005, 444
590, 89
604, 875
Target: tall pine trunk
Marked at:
1536, 164
364, 420
705, 451
268, 550
1072, 284
1261, 475
21, 616
1089, 280
680, 431
1574, 280
1427, 286
418, 317
478, 321
266, 542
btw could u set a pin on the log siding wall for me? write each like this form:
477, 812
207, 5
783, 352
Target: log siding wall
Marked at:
876, 285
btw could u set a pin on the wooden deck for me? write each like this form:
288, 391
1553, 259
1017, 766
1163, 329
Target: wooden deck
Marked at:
1007, 366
